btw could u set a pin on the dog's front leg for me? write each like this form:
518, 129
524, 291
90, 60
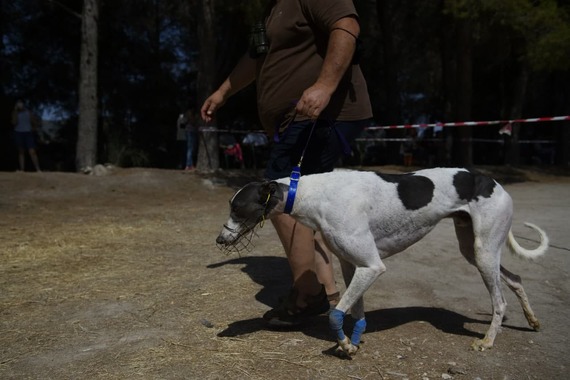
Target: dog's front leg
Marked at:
352, 298
346, 345
351, 345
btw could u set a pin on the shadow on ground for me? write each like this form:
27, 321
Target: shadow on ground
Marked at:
377, 320
273, 274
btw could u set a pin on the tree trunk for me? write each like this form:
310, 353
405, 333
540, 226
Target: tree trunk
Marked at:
563, 157
463, 92
208, 150
513, 155
86, 149
208, 157
385, 18
448, 76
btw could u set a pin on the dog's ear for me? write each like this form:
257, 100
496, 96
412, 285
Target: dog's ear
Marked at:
267, 188
269, 191
270, 196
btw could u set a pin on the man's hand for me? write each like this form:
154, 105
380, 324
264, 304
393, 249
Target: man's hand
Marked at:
211, 105
314, 100
240, 77
338, 58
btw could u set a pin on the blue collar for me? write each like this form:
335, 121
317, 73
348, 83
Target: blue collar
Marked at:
295, 175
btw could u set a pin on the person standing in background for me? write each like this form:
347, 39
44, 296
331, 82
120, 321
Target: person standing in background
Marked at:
180, 142
25, 124
188, 130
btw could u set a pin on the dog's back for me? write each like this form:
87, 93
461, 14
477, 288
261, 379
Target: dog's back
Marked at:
399, 209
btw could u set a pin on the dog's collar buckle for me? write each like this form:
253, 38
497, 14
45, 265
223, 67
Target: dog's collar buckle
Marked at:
295, 175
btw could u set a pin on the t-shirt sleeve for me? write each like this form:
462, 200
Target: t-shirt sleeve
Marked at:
324, 13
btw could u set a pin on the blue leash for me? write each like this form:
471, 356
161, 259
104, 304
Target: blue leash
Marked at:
296, 173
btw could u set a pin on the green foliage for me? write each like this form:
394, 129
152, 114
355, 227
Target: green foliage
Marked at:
543, 25
40, 51
462, 9
149, 54
549, 47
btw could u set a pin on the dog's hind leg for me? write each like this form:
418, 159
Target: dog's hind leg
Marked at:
484, 253
488, 264
465, 236
514, 283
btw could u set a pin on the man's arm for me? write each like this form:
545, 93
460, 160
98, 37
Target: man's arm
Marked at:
340, 50
241, 76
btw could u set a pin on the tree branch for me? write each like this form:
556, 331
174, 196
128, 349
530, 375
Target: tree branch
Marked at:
66, 8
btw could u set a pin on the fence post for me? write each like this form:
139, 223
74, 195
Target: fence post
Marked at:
564, 157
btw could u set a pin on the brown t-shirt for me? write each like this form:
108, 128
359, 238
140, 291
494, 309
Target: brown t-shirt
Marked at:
298, 32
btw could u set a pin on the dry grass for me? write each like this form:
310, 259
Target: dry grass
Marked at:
118, 277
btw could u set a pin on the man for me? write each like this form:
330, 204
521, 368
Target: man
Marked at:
305, 78
25, 123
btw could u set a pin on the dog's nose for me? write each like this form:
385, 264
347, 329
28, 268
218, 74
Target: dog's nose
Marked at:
220, 239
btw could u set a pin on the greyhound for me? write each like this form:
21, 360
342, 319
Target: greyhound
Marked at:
366, 217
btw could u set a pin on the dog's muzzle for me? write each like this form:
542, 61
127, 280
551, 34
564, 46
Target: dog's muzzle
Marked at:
236, 239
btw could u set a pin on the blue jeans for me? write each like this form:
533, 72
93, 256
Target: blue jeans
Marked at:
191, 139
328, 142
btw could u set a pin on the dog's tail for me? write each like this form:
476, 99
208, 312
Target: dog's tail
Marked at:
531, 254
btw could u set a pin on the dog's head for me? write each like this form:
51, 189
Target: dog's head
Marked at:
249, 208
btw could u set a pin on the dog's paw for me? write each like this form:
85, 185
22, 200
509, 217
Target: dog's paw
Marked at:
345, 347
534, 323
481, 344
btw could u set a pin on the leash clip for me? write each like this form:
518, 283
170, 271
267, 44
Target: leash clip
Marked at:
295, 176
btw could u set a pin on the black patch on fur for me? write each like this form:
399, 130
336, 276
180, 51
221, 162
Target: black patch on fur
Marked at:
471, 185
415, 191
246, 204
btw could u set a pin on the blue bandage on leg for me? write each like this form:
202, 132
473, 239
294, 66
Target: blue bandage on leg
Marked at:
359, 328
336, 320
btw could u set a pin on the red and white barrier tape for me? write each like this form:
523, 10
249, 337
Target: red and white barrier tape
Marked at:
471, 123
506, 129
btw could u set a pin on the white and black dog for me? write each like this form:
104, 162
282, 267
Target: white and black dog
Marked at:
365, 217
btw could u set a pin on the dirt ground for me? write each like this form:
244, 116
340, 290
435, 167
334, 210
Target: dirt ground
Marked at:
118, 277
